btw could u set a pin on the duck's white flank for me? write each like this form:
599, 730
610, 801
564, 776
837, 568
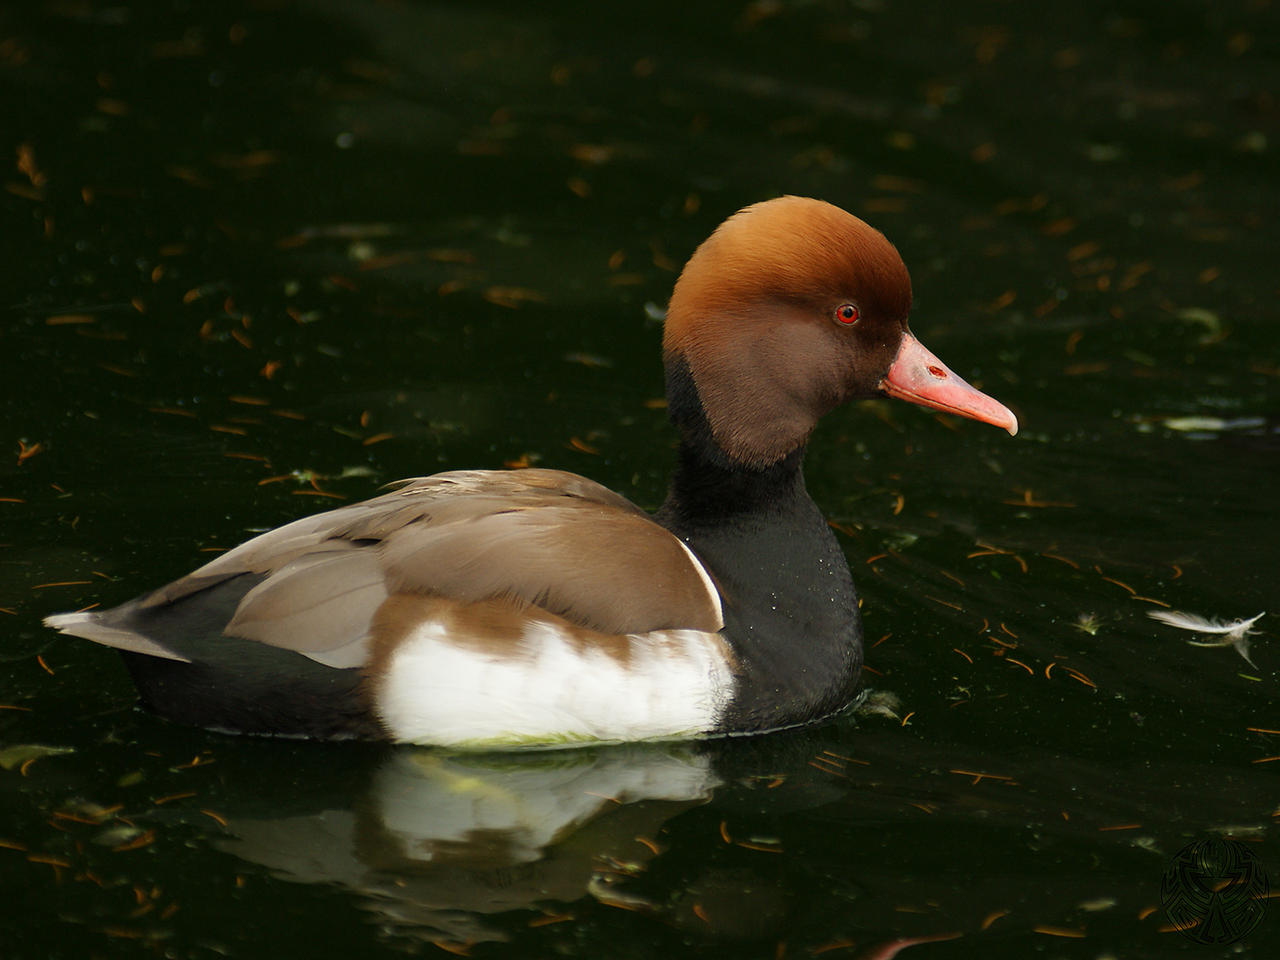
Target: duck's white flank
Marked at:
549, 688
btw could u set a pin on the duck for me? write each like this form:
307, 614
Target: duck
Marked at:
495, 609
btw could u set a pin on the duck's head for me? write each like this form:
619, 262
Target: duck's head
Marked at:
789, 309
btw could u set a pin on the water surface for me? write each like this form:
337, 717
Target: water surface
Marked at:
264, 257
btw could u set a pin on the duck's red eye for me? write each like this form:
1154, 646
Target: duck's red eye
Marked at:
847, 313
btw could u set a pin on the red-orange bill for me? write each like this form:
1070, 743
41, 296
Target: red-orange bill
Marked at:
920, 377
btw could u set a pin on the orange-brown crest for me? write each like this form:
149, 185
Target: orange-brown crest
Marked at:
787, 249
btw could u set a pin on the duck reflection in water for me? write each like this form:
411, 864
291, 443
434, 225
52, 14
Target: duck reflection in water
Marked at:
441, 842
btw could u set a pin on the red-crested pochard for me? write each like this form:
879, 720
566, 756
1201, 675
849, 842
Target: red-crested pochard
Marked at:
535, 607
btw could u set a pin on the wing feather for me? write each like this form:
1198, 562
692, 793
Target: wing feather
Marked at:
539, 537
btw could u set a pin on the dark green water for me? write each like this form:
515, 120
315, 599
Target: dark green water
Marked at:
359, 241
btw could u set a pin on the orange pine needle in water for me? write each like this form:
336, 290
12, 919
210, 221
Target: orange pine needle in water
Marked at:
161, 801
1028, 500
981, 776
818, 764
833, 945
1121, 583
457, 949
761, 847
1077, 675
137, 843
841, 756
992, 917
75, 818
51, 861
550, 919
1061, 559
1060, 932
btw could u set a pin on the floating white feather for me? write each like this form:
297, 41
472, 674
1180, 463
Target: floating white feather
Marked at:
1198, 624
1234, 633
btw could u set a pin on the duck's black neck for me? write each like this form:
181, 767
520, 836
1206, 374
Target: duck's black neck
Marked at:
706, 489
790, 610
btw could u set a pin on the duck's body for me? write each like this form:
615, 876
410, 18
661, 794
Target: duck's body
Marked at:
536, 607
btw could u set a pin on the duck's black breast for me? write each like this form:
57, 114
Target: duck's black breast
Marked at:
791, 618
790, 609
